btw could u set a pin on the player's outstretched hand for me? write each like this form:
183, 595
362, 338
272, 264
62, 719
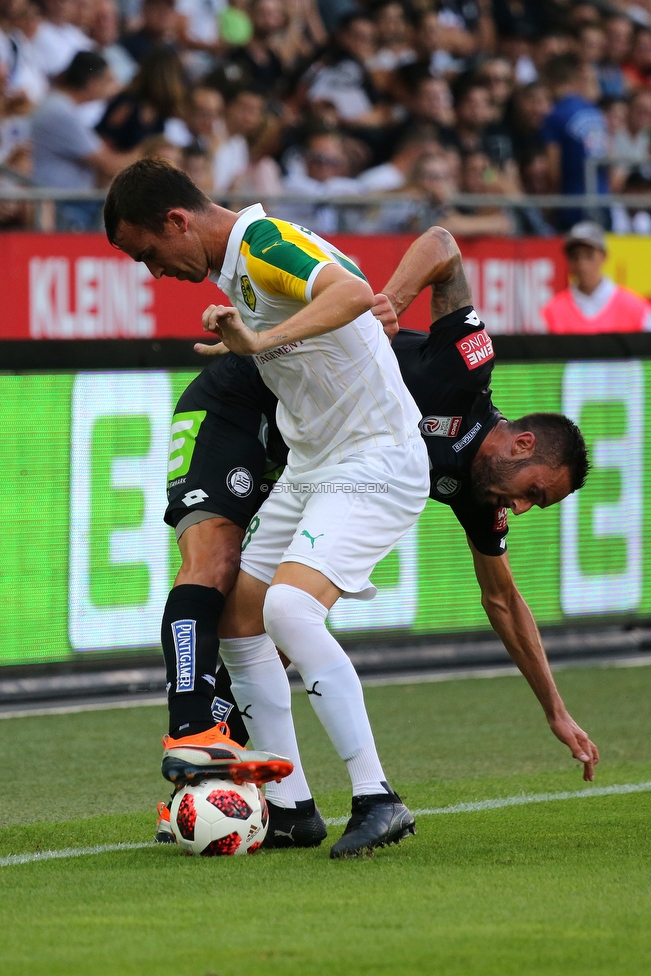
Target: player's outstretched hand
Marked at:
577, 741
384, 311
227, 324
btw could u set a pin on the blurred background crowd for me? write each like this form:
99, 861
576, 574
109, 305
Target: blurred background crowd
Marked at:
409, 102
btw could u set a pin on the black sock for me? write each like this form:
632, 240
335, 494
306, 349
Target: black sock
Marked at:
233, 717
190, 648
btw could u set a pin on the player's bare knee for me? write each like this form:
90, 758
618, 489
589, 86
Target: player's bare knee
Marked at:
211, 554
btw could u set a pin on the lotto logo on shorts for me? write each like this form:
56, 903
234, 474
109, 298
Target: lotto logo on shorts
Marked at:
476, 349
440, 426
240, 482
501, 520
184, 633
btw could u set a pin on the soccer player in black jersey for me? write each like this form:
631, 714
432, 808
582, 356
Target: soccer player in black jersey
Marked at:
482, 465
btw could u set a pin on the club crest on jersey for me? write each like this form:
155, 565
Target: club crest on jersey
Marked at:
447, 486
247, 292
440, 426
476, 349
240, 482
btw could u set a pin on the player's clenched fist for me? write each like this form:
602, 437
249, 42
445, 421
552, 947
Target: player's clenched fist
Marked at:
384, 311
227, 324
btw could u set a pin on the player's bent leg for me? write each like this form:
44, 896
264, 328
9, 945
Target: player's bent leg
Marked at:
261, 690
196, 746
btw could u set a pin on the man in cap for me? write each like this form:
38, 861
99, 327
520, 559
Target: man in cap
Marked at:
593, 302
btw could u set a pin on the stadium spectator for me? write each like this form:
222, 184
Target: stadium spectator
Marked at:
473, 18
634, 220
573, 132
475, 126
285, 39
239, 162
198, 33
204, 116
342, 78
619, 38
394, 38
393, 175
498, 76
434, 181
104, 31
591, 44
637, 70
57, 39
197, 163
159, 24
445, 48
525, 116
158, 147
156, 94
19, 21
593, 302
67, 153
630, 143
429, 101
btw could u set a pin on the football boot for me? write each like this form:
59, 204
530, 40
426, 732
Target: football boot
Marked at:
302, 826
377, 820
164, 832
214, 753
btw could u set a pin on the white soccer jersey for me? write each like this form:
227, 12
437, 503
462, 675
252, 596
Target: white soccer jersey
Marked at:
339, 393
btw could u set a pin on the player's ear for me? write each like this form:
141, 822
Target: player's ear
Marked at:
523, 444
178, 219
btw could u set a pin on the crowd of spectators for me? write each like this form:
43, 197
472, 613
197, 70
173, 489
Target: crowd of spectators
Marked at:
409, 101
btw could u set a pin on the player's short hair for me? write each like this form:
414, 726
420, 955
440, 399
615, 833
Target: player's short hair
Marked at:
145, 192
559, 444
562, 69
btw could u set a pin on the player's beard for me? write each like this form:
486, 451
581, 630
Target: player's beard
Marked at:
491, 475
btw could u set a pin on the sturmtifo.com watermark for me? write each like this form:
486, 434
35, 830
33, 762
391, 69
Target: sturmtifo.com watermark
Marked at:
328, 487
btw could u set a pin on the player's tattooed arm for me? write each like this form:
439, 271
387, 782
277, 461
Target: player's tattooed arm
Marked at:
434, 259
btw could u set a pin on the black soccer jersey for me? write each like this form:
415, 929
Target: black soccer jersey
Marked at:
448, 373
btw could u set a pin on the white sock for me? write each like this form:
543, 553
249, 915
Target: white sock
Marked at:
261, 689
295, 621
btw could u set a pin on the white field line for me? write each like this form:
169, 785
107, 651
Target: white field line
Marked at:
508, 801
521, 800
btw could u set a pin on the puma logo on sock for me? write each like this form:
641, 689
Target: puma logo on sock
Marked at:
244, 712
313, 691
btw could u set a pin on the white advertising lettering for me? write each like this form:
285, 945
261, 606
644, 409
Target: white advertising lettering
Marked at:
476, 349
92, 298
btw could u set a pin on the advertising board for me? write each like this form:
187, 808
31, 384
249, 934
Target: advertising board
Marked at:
86, 560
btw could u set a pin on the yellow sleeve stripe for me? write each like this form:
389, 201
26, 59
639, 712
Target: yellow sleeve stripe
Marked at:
273, 280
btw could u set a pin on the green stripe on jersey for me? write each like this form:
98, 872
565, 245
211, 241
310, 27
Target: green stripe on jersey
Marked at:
266, 243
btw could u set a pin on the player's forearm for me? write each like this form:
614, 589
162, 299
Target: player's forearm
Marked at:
332, 308
434, 259
513, 622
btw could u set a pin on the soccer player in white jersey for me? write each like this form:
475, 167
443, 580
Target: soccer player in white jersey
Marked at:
356, 479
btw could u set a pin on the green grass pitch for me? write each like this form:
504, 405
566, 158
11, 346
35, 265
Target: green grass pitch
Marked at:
547, 889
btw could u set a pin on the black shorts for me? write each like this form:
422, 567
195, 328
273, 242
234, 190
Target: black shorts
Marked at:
216, 468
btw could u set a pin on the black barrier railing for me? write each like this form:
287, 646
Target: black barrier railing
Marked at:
46, 355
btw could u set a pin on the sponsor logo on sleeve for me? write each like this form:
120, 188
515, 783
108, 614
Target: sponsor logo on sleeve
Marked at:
440, 426
501, 520
466, 439
476, 349
247, 292
240, 482
472, 319
220, 709
194, 497
184, 633
447, 486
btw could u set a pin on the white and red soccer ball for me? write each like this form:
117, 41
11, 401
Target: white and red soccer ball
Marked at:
216, 817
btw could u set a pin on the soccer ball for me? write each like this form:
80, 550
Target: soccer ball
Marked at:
216, 817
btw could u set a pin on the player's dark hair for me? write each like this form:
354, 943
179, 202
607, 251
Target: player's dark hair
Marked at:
145, 192
559, 444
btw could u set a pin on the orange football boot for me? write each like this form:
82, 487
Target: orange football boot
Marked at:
164, 832
213, 753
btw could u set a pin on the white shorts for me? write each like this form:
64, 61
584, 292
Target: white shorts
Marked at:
341, 519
